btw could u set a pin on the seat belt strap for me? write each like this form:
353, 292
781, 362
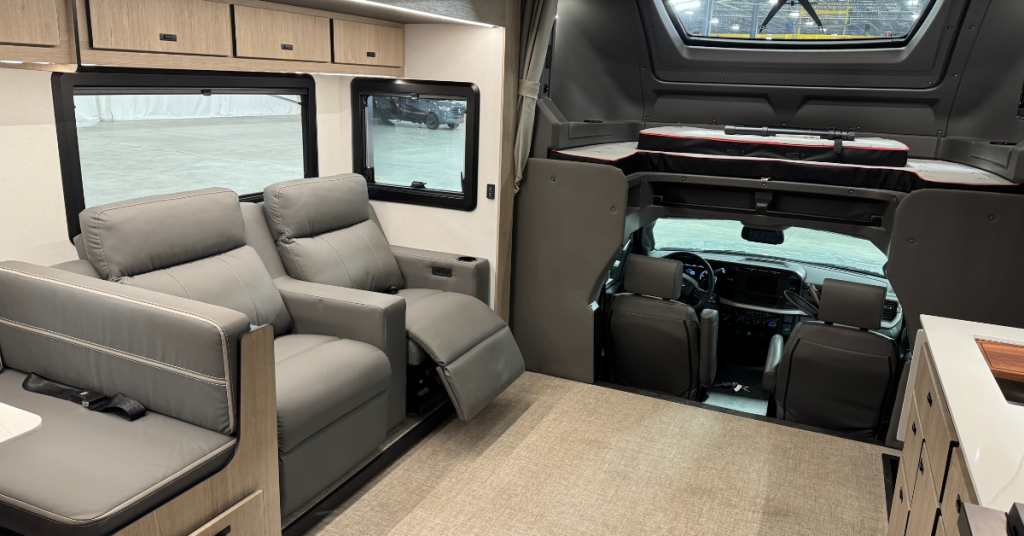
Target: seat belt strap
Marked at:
124, 407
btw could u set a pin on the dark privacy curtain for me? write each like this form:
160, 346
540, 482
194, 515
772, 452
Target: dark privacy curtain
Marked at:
538, 18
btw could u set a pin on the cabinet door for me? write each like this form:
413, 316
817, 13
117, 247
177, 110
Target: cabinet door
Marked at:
279, 35
926, 504
368, 44
29, 22
900, 505
169, 26
958, 491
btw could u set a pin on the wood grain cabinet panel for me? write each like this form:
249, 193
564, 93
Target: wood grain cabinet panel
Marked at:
900, 504
29, 22
246, 517
358, 43
193, 27
278, 35
926, 504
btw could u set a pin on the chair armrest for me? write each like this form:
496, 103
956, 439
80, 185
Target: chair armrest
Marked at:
771, 365
79, 266
708, 346
444, 271
176, 356
360, 315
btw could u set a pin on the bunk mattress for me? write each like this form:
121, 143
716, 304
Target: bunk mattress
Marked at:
917, 174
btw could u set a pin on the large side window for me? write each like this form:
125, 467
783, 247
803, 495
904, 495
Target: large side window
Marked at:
416, 142
123, 136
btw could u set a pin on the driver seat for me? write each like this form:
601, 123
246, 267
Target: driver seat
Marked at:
657, 342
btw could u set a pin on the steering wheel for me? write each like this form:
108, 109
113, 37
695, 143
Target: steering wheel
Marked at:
691, 292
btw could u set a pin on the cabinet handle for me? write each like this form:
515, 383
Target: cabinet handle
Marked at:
929, 398
958, 504
920, 466
287, 47
901, 498
371, 54
168, 37
225, 532
913, 428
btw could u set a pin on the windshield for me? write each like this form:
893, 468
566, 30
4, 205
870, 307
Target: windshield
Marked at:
792, 20
800, 245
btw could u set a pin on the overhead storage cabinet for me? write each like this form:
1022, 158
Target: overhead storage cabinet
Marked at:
279, 35
29, 22
168, 26
359, 43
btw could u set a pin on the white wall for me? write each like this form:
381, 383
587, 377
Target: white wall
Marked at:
461, 54
32, 223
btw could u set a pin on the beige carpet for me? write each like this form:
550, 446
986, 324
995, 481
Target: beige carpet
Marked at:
551, 456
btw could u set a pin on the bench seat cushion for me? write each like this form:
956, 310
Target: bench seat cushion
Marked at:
320, 379
86, 473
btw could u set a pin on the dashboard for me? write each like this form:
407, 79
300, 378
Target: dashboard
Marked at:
749, 294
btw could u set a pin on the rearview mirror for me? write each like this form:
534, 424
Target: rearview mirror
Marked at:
763, 236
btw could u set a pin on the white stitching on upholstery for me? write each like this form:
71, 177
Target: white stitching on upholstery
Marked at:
240, 282
168, 272
382, 274
127, 505
351, 280
220, 329
166, 367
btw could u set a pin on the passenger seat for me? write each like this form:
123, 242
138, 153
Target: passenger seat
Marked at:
332, 392
326, 233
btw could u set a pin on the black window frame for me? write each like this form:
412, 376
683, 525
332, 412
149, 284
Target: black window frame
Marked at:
125, 81
765, 44
364, 87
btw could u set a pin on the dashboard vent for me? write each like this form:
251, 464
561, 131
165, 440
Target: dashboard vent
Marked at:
890, 311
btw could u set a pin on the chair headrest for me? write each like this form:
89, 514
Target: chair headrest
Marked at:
653, 276
852, 304
308, 207
138, 236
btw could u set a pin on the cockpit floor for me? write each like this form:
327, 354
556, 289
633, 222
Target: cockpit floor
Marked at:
552, 456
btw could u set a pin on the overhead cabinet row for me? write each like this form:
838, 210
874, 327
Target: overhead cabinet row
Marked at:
201, 27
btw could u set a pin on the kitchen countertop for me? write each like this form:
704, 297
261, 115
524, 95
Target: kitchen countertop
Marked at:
990, 429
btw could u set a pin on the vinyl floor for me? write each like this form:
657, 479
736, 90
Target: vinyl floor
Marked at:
556, 457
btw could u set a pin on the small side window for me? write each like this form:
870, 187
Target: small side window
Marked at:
416, 142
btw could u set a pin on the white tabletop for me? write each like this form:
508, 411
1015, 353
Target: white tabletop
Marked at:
15, 422
990, 429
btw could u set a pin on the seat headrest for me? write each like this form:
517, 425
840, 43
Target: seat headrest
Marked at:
852, 304
653, 276
308, 207
138, 236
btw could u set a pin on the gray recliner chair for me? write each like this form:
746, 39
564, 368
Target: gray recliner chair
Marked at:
332, 389
658, 343
326, 232
834, 372
86, 473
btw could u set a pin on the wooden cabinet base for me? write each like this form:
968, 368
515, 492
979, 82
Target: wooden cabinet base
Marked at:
247, 488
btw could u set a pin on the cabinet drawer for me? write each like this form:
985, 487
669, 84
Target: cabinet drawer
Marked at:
170, 26
29, 22
912, 438
900, 504
278, 35
245, 517
368, 44
931, 408
925, 505
958, 491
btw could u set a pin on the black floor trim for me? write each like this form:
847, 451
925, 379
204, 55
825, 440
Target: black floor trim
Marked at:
762, 418
402, 445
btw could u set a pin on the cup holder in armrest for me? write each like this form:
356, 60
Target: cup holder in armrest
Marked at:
467, 259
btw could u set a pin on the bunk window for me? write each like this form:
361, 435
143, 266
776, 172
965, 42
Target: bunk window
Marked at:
416, 142
792, 20
124, 136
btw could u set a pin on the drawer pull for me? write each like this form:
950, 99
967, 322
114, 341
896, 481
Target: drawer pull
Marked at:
901, 499
929, 399
371, 54
287, 47
920, 466
225, 532
958, 504
913, 428
168, 37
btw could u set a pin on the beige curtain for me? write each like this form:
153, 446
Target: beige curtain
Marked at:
538, 20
